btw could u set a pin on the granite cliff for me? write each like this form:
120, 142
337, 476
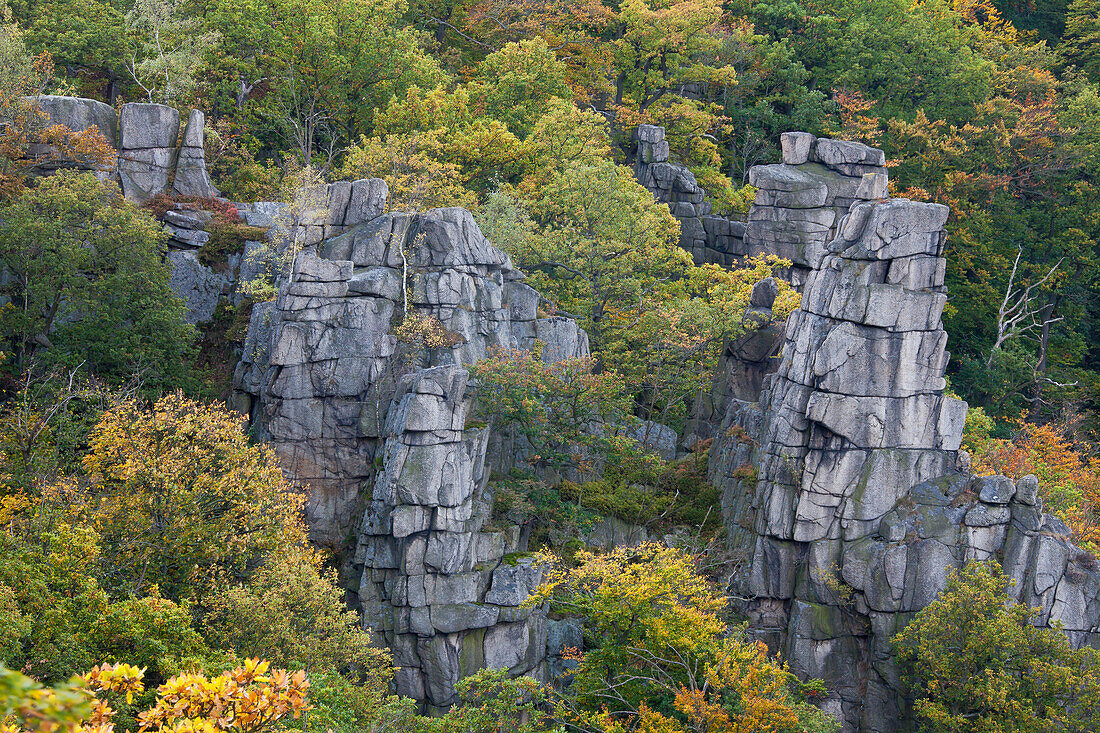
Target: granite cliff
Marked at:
844, 495
845, 499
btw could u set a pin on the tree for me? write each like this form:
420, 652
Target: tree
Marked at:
977, 662
247, 699
325, 67
415, 169
1082, 36
292, 610
87, 277
491, 701
606, 245
88, 37
28, 141
1069, 479
182, 500
668, 349
658, 655
518, 81
566, 416
167, 59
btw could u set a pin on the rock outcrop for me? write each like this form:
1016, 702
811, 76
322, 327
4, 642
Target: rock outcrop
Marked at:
709, 238
800, 202
798, 205
841, 495
154, 158
378, 428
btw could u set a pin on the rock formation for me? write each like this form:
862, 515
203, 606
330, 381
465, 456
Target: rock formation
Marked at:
379, 430
840, 490
835, 449
798, 205
709, 238
801, 201
155, 158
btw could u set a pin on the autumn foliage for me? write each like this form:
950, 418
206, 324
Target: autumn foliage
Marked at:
659, 657
1069, 480
247, 699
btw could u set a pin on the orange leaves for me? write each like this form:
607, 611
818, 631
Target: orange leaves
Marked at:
120, 678
1068, 481
245, 700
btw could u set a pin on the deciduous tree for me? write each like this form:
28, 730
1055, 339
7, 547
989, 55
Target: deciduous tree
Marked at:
977, 662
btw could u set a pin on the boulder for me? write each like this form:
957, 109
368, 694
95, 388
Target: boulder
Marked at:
797, 147
143, 126
79, 114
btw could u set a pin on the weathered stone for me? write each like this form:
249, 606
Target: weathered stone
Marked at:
191, 177
199, 287
1027, 490
981, 515
995, 489
449, 619
650, 133
797, 147
148, 126
80, 114
833, 152
367, 201
764, 293
380, 281
512, 583
308, 267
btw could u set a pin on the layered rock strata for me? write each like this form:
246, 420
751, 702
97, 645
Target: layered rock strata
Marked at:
798, 203
379, 431
709, 238
190, 177
841, 494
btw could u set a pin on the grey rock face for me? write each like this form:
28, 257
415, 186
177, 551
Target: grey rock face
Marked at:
148, 135
77, 114
379, 431
709, 238
199, 287
191, 177
151, 150
800, 203
144, 126
661, 439
797, 147
839, 473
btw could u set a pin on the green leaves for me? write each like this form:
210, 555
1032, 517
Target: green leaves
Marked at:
89, 283
977, 662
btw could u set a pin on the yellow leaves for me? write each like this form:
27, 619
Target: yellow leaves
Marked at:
415, 166
179, 494
120, 678
247, 699
659, 637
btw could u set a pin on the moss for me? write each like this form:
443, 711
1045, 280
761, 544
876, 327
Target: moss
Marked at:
218, 342
678, 494
227, 238
512, 559
471, 657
